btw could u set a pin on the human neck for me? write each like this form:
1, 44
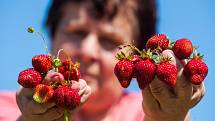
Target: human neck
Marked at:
93, 116
99, 111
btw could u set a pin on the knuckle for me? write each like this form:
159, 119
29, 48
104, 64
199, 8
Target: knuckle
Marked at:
157, 90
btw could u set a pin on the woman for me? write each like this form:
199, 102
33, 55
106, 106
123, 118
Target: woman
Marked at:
90, 31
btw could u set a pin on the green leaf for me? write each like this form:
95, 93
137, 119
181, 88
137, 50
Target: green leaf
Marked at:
56, 63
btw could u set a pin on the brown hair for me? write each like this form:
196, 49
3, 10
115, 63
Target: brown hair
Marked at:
145, 13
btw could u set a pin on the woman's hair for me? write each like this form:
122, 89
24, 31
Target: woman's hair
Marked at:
144, 13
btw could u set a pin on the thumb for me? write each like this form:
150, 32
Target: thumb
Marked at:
174, 59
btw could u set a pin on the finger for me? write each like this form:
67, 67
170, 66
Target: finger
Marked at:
75, 85
52, 114
198, 94
21, 101
149, 102
174, 60
86, 94
26, 92
81, 91
161, 91
36, 108
184, 61
19, 97
183, 88
62, 118
82, 84
27, 104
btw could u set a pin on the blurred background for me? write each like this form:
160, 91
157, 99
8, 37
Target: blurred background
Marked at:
193, 19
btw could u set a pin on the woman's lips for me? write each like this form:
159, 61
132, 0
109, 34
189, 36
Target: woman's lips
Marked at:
91, 80
88, 76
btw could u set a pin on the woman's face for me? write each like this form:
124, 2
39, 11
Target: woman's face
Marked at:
94, 44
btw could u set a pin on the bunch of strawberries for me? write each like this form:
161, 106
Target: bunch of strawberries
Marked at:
146, 64
52, 79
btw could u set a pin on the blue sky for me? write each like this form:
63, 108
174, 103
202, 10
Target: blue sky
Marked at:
192, 19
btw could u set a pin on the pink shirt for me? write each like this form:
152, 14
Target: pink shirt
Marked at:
129, 108
9, 110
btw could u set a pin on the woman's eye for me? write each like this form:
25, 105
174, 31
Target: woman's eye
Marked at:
108, 43
77, 35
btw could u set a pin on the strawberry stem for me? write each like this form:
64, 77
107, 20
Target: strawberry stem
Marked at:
57, 61
58, 53
32, 30
44, 42
135, 48
66, 115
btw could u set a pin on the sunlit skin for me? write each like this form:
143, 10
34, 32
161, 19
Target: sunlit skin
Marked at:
93, 43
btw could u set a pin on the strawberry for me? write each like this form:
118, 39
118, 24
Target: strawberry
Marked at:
73, 74
183, 48
144, 71
65, 66
124, 69
135, 59
53, 79
167, 72
124, 72
196, 70
158, 41
43, 93
42, 63
69, 70
67, 97
29, 78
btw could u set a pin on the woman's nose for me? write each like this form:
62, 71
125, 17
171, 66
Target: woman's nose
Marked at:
89, 48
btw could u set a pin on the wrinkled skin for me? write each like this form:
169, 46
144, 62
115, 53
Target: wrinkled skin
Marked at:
162, 103
32, 111
93, 43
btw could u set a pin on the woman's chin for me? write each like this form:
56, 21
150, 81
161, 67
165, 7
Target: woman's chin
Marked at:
91, 103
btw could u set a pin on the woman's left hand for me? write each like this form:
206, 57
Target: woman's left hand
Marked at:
164, 103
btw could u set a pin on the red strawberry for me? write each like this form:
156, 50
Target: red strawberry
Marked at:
167, 72
29, 78
42, 63
73, 74
65, 66
135, 59
145, 72
43, 93
196, 70
158, 40
124, 72
69, 70
53, 78
183, 48
67, 97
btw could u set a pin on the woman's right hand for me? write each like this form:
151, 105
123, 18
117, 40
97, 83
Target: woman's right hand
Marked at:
32, 111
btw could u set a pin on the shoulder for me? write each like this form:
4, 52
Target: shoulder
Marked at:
7, 98
9, 110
